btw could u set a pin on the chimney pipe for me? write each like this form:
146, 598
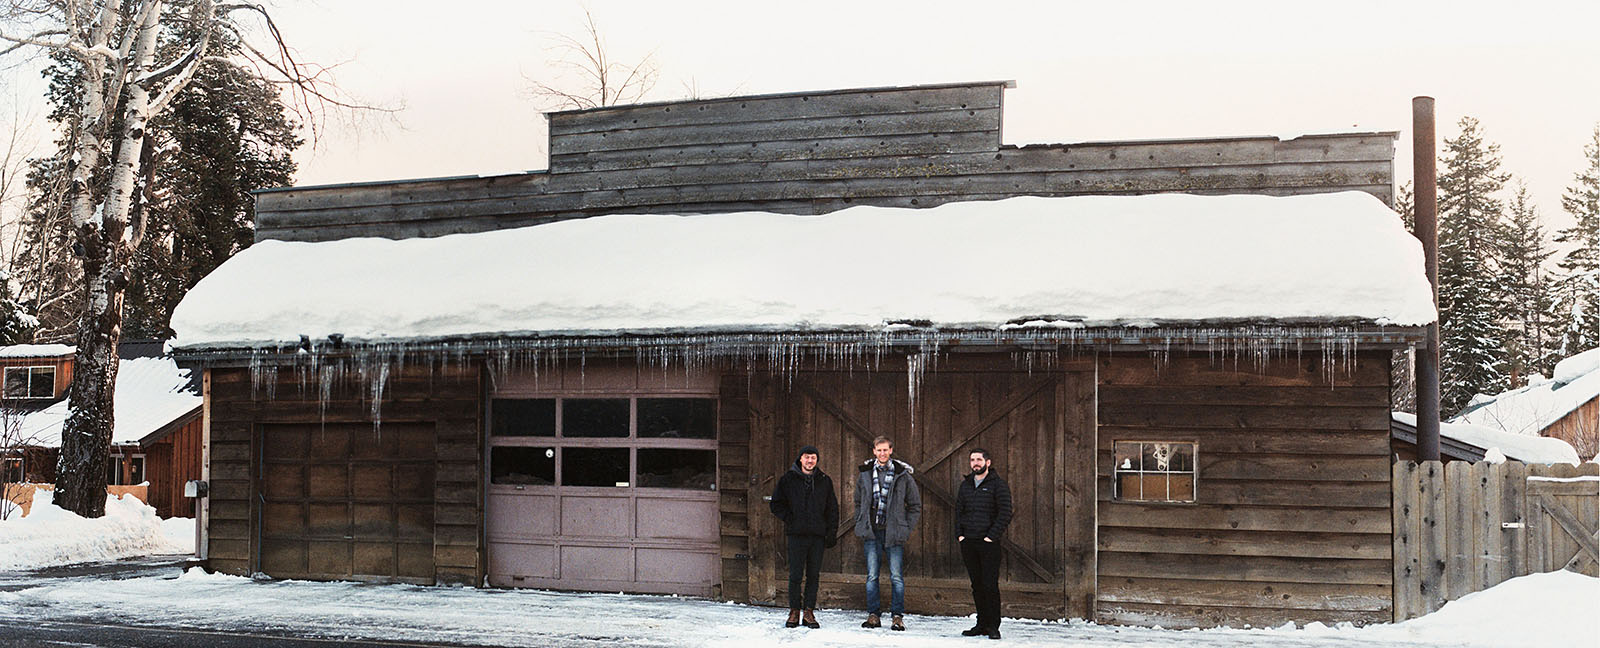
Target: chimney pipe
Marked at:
1426, 208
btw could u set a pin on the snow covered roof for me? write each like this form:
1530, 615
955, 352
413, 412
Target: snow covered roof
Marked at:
1531, 409
1047, 262
151, 393
37, 350
1522, 447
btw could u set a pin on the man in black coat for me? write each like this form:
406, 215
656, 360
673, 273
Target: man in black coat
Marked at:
804, 500
983, 510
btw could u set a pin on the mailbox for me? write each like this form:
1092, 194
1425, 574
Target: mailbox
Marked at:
196, 488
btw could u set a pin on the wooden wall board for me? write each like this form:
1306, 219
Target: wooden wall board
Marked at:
812, 153
1293, 487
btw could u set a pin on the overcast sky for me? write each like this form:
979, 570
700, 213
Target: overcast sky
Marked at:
1085, 71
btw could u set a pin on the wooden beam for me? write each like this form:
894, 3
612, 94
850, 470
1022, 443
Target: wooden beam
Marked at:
1587, 541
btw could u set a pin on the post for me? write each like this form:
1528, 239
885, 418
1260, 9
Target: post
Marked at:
1425, 176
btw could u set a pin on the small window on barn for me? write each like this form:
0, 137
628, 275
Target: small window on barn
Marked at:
595, 417
605, 467
1155, 471
524, 417
12, 470
136, 470
677, 418
677, 468
30, 382
522, 465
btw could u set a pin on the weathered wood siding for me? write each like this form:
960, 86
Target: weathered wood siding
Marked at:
1463, 527
812, 153
1581, 428
1039, 427
447, 399
170, 462
734, 485
1291, 521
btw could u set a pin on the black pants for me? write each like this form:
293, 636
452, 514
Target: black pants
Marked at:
805, 558
983, 568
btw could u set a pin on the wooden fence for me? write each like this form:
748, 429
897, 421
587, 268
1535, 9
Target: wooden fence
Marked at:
1463, 527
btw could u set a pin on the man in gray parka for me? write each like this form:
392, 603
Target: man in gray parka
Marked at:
888, 505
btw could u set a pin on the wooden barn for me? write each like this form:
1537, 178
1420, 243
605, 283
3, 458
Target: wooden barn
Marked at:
1188, 393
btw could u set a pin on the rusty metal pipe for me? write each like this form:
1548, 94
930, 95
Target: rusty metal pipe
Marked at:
1426, 209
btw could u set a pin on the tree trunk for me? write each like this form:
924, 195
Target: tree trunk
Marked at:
86, 436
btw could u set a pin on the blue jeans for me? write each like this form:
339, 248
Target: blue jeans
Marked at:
897, 575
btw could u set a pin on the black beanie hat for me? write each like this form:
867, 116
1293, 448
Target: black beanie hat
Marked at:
805, 450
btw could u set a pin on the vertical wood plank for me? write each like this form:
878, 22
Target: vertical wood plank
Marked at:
1407, 531
1432, 532
1513, 499
1460, 555
1486, 523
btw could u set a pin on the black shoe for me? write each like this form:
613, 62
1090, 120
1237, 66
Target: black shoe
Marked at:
974, 631
994, 633
871, 622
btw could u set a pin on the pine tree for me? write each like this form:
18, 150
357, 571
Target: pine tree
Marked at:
1578, 288
1405, 204
226, 136
1470, 230
1527, 300
16, 325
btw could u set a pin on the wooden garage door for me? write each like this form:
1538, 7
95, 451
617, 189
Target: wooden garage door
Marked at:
345, 501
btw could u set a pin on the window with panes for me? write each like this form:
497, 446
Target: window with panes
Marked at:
604, 442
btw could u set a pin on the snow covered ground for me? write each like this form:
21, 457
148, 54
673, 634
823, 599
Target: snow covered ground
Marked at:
1538, 611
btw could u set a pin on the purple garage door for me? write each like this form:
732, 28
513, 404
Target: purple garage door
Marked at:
603, 492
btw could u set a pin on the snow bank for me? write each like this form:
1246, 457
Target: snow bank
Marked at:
50, 535
1530, 409
1527, 448
1098, 260
1537, 611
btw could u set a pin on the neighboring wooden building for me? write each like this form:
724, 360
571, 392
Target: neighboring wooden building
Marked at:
1566, 406
156, 438
1183, 471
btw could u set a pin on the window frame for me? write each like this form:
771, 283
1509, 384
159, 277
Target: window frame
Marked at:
31, 370
22, 469
1117, 472
633, 442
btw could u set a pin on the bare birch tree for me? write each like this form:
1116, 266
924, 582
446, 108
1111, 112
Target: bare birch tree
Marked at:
135, 56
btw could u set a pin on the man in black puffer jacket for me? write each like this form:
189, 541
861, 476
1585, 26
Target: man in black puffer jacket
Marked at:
804, 500
983, 509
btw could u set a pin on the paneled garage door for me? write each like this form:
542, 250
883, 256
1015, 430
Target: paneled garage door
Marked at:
345, 501
607, 493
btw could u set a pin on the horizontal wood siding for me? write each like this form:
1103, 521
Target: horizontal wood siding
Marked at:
811, 154
1292, 518
449, 398
1581, 428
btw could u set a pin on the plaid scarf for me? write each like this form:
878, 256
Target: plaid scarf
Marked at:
882, 483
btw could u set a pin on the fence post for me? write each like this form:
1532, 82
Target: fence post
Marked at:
1433, 545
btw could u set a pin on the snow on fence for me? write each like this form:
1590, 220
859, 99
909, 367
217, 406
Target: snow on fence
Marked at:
1463, 527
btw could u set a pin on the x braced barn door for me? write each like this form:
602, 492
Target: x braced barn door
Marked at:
1038, 428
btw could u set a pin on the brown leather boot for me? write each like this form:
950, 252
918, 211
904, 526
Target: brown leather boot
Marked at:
871, 622
898, 623
810, 620
794, 619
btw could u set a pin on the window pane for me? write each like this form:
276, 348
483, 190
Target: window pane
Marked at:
11, 471
1180, 488
677, 418
1127, 456
137, 471
16, 382
1182, 457
594, 466
673, 468
42, 382
524, 417
522, 465
595, 417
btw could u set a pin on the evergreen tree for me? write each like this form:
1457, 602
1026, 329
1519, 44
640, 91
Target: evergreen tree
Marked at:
1470, 231
1526, 302
226, 136
1405, 204
1578, 288
16, 325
